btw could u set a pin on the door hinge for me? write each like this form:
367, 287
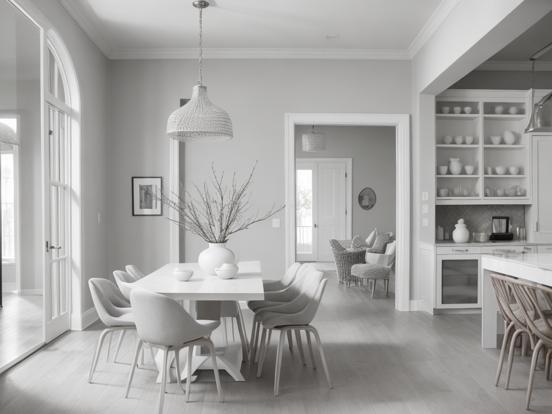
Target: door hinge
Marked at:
536, 226
345, 174
50, 132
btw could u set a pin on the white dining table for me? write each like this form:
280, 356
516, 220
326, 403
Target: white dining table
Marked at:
246, 285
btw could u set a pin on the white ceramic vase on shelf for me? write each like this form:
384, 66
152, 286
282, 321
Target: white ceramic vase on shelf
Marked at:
461, 234
455, 166
215, 256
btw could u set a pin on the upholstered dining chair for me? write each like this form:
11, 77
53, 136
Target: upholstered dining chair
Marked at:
539, 320
124, 282
105, 297
276, 298
295, 317
134, 272
162, 323
284, 282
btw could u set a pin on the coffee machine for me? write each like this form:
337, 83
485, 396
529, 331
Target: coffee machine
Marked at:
500, 229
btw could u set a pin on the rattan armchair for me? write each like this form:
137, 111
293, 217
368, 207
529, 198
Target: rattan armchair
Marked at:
345, 259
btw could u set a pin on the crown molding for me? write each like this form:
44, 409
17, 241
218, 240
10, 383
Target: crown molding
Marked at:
259, 53
81, 12
514, 66
430, 27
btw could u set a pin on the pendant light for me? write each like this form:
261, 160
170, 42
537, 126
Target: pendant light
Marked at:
200, 120
541, 112
313, 141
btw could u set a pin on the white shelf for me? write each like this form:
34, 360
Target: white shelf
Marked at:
458, 176
506, 176
504, 146
458, 116
516, 117
458, 146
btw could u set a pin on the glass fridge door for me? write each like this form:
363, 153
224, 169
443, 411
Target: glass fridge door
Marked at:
459, 279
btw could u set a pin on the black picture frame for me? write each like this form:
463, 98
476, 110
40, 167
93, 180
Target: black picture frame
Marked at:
146, 201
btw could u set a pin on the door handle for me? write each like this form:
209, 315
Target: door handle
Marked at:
50, 247
460, 250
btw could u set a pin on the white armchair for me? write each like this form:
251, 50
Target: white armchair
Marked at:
377, 267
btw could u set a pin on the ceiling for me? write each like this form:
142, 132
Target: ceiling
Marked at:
387, 29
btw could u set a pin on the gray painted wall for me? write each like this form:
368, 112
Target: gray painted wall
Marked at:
257, 94
372, 150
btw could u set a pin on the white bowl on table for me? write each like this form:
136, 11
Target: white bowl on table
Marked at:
183, 274
227, 271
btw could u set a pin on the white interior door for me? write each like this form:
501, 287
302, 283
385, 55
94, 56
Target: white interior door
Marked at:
56, 226
323, 206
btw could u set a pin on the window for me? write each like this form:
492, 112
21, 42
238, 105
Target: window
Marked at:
8, 165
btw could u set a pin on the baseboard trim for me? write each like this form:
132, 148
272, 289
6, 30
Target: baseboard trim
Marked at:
20, 358
417, 305
79, 322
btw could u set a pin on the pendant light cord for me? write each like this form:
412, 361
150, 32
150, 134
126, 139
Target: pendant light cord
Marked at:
201, 46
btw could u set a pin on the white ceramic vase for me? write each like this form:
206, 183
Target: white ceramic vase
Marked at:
215, 256
461, 234
455, 166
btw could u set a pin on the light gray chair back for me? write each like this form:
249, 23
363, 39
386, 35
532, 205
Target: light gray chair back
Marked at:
103, 291
162, 321
136, 273
290, 274
124, 282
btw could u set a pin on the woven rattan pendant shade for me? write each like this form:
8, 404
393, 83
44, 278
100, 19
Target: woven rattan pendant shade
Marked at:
199, 120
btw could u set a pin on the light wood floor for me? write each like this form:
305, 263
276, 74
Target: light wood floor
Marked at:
381, 361
20, 325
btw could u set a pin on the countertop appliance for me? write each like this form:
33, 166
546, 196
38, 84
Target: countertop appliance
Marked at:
501, 228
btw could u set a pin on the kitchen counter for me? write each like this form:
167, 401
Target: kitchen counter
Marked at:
449, 243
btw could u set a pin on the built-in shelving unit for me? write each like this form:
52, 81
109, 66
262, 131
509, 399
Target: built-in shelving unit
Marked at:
468, 123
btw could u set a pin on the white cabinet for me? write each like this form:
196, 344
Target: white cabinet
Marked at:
540, 214
471, 125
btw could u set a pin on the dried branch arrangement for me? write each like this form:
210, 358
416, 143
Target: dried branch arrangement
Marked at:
216, 210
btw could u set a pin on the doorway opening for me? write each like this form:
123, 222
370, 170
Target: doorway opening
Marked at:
400, 126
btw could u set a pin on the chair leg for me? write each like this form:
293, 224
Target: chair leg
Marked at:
108, 353
225, 326
322, 356
386, 283
373, 288
290, 342
119, 343
215, 368
503, 352
189, 366
534, 359
101, 339
260, 345
163, 381
152, 354
547, 364
278, 370
254, 341
300, 346
133, 367
307, 333
511, 356
177, 364
263, 351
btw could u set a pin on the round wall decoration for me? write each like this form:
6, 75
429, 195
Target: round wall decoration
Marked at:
367, 198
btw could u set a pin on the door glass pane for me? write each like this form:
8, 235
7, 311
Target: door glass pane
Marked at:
304, 212
459, 281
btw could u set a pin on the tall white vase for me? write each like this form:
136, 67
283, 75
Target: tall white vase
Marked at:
214, 256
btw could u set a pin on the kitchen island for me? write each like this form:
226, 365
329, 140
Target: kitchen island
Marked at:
534, 267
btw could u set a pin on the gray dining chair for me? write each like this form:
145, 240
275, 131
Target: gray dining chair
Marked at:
105, 297
136, 273
284, 282
294, 317
162, 323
